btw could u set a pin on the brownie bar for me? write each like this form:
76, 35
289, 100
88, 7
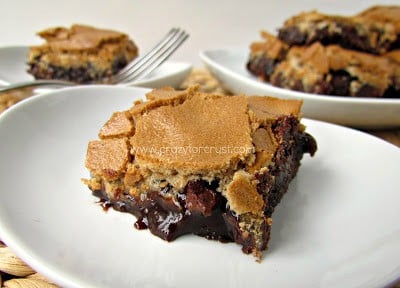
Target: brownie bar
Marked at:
201, 210
365, 32
329, 70
81, 54
228, 195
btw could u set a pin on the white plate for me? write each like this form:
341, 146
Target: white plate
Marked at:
338, 226
229, 66
13, 69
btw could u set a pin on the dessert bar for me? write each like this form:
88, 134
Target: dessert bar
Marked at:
186, 162
81, 54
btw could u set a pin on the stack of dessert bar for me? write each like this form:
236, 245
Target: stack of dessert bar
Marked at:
317, 53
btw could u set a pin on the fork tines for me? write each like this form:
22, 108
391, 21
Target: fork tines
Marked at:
142, 66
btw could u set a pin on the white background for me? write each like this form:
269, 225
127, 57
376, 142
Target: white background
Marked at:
211, 23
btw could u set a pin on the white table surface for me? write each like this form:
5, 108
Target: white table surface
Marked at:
211, 23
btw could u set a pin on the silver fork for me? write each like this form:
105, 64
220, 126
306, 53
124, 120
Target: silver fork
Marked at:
136, 69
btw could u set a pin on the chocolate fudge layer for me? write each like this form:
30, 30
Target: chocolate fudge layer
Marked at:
189, 162
81, 54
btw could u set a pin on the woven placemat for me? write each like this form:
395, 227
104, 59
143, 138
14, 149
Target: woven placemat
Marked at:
14, 273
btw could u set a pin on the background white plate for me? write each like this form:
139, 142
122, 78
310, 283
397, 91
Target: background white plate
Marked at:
338, 225
229, 66
13, 69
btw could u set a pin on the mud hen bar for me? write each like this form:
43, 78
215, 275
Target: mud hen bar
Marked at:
375, 30
329, 70
81, 54
189, 162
